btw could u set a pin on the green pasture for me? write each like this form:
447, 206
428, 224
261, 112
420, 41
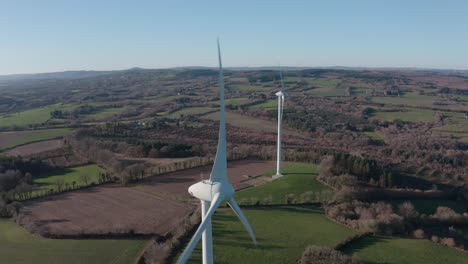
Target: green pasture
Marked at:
390, 250
17, 246
69, 175
32, 116
410, 99
190, 111
298, 178
282, 233
406, 114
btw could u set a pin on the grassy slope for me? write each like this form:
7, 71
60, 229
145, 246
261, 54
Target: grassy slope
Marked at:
411, 98
38, 135
20, 247
69, 175
106, 112
409, 114
325, 87
375, 135
33, 116
267, 105
400, 251
276, 243
190, 111
298, 178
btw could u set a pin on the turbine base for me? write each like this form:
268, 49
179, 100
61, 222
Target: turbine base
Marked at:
276, 176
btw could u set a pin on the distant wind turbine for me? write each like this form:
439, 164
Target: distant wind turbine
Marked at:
281, 94
214, 191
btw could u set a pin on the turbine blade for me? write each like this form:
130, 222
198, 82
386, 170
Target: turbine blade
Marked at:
282, 83
196, 237
219, 171
235, 207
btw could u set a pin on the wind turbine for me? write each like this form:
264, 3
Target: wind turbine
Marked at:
281, 94
214, 191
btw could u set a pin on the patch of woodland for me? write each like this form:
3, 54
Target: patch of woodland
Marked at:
324, 255
358, 202
16, 177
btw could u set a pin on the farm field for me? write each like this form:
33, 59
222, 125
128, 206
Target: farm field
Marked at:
103, 210
69, 175
268, 105
176, 183
13, 139
20, 247
407, 114
375, 135
411, 99
149, 207
298, 178
236, 101
35, 148
392, 250
106, 112
282, 234
33, 116
248, 122
190, 111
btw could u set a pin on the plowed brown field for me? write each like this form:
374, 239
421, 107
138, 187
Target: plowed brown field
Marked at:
156, 205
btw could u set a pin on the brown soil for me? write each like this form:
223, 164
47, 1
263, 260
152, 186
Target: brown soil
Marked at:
101, 211
240, 173
35, 148
156, 205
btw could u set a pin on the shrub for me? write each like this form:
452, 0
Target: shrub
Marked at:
291, 198
324, 255
407, 210
448, 241
446, 214
419, 234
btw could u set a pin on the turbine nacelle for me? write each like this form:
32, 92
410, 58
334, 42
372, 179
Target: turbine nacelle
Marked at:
281, 93
207, 190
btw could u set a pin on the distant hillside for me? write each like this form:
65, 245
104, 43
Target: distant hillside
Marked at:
86, 74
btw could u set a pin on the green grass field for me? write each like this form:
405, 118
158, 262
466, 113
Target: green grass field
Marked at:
17, 246
391, 250
236, 101
190, 111
429, 206
245, 87
325, 87
268, 105
407, 114
69, 175
282, 233
298, 178
243, 121
106, 112
36, 135
31, 117
411, 99
375, 135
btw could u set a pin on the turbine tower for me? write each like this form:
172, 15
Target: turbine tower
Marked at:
281, 94
214, 191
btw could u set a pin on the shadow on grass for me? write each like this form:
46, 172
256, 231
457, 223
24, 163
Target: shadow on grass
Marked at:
54, 172
356, 246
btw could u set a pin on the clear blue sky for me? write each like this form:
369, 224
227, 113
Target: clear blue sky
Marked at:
44, 36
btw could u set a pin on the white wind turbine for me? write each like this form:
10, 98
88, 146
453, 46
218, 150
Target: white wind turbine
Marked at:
281, 94
214, 191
